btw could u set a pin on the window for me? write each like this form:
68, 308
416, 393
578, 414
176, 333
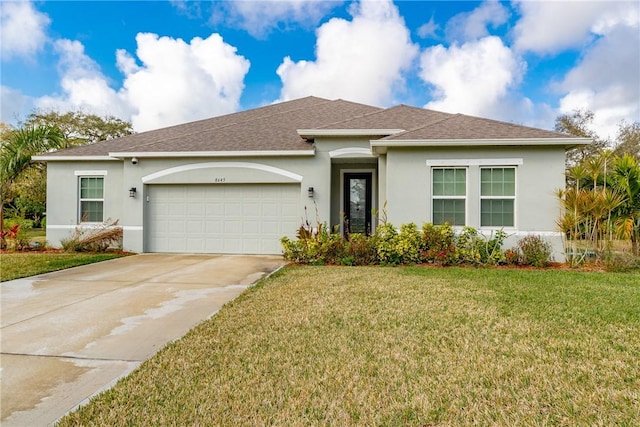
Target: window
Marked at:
497, 197
91, 199
449, 195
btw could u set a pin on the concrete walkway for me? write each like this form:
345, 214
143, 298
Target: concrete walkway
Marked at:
71, 334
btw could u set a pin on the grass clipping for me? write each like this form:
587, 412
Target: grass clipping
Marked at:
397, 347
95, 239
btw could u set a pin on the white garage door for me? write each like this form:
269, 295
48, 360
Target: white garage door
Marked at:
229, 218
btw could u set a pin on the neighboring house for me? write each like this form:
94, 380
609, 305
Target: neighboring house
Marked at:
238, 183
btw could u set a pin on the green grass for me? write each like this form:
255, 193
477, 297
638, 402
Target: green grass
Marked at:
14, 265
395, 347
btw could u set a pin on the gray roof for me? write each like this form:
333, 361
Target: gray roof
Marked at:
274, 128
460, 126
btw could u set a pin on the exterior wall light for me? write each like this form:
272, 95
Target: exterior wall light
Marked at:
132, 192
310, 192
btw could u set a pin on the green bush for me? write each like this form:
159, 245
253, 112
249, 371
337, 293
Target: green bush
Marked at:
534, 251
360, 250
386, 238
620, 262
408, 244
438, 244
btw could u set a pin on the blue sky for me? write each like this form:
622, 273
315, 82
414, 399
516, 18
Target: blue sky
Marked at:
158, 63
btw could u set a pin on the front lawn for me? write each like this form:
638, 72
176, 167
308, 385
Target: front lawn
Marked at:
14, 265
395, 347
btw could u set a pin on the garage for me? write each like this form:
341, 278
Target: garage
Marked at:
222, 218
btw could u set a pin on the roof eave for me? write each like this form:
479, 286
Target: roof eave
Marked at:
73, 158
314, 133
254, 153
380, 146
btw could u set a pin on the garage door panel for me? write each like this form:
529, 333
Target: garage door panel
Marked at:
247, 218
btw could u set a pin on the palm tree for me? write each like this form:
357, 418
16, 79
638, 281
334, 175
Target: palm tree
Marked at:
626, 180
16, 149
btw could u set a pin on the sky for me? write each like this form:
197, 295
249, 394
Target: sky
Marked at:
160, 63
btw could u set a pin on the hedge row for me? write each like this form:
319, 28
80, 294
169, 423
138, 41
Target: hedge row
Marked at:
435, 244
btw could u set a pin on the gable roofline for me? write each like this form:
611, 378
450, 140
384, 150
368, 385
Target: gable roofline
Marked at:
380, 146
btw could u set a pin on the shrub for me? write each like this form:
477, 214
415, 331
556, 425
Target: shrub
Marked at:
491, 250
438, 244
408, 244
360, 250
98, 239
534, 251
386, 247
14, 236
511, 257
620, 262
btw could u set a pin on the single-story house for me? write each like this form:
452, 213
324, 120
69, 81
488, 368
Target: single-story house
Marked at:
238, 183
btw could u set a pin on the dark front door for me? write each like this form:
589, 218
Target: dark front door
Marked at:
357, 202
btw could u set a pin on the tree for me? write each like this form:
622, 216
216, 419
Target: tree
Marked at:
80, 128
27, 191
16, 149
577, 123
628, 139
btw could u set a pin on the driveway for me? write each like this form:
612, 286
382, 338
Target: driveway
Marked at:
71, 334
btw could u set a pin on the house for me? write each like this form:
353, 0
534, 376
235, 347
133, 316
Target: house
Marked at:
238, 183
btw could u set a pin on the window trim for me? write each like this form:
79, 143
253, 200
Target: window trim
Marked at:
80, 199
465, 197
514, 197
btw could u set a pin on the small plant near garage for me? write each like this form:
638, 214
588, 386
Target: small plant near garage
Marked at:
99, 238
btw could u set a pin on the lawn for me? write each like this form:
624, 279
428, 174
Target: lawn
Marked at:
395, 347
14, 265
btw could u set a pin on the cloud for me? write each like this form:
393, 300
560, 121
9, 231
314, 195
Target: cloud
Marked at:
469, 26
175, 82
606, 81
83, 84
471, 78
14, 105
22, 30
259, 18
544, 28
428, 29
360, 60
179, 82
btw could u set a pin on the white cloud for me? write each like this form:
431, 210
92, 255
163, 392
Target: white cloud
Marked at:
606, 80
549, 27
179, 82
22, 29
360, 60
469, 26
14, 105
259, 18
428, 29
83, 84
175, 82
472, 78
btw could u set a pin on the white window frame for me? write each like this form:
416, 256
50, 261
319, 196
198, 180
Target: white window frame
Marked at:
80, 199
515, 194
465, 197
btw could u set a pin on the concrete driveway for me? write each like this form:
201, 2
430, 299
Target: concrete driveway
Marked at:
71, 334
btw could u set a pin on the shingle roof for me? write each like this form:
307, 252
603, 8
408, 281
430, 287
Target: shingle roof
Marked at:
460, 126
398, 117
274, 128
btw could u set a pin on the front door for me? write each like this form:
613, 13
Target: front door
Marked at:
357, 192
